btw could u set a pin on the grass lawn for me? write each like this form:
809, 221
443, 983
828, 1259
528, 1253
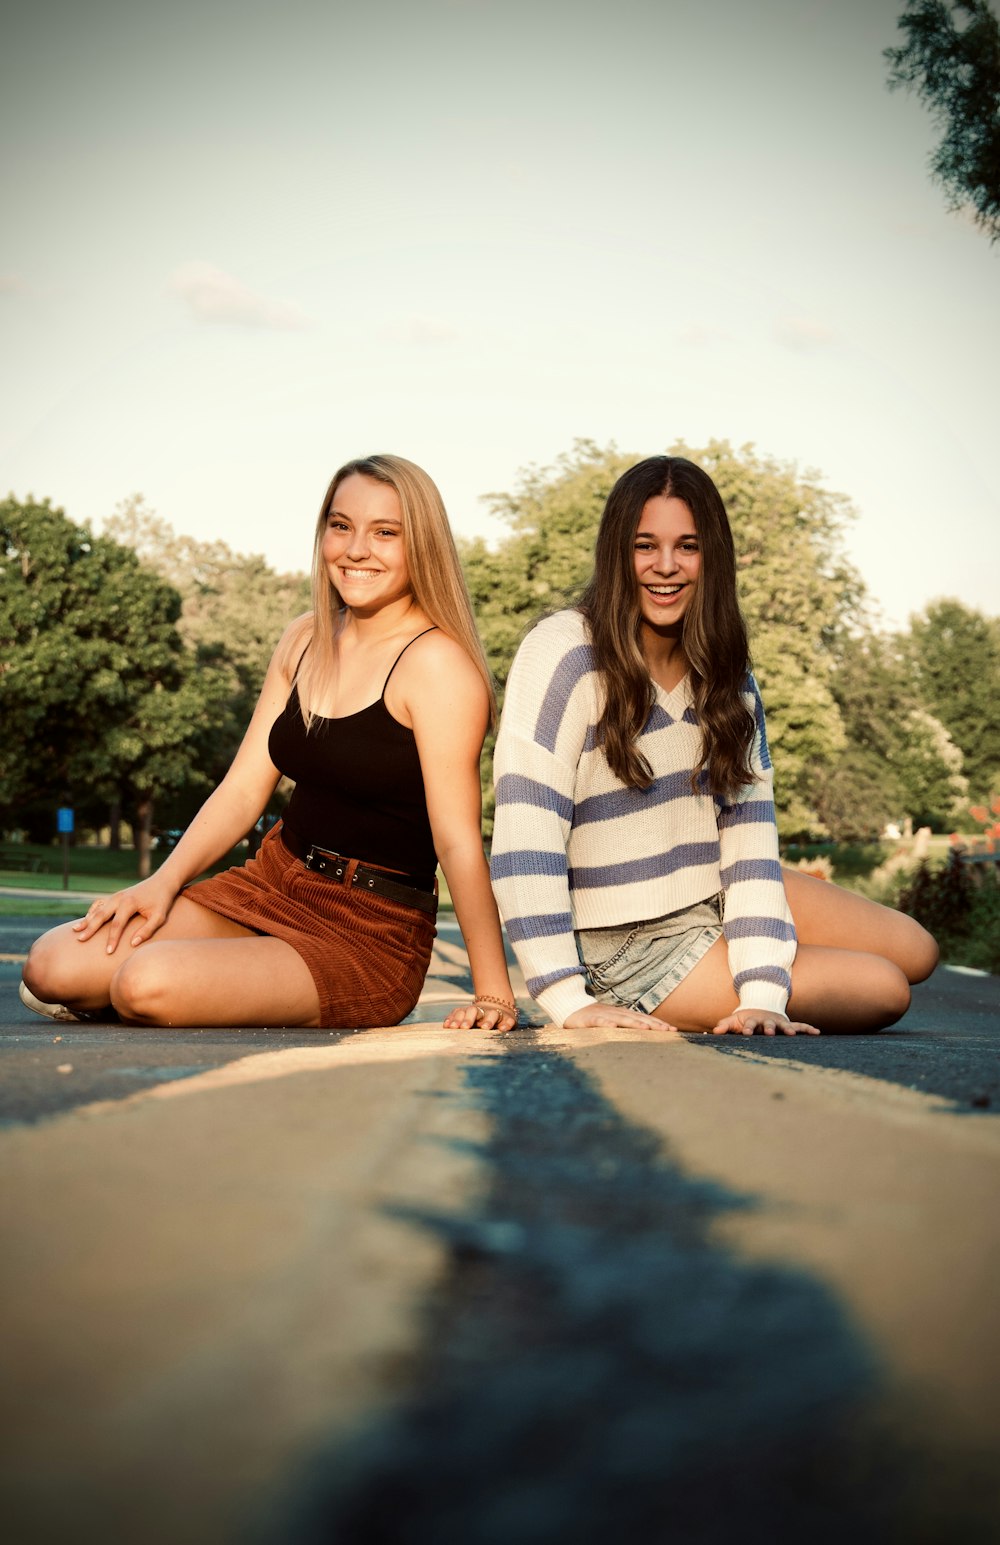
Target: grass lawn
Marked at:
90, 868
44, 906
53, 882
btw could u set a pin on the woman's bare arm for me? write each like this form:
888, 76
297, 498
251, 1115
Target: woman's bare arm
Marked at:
446, 700
225, 817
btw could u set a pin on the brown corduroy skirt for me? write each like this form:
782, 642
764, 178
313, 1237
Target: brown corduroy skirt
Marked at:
367, 955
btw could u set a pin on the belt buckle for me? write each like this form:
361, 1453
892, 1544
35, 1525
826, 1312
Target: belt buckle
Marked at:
322, 861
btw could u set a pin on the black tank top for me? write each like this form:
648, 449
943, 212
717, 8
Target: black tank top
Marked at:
359, 789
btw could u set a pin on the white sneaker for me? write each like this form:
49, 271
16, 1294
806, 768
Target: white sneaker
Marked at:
57, 1011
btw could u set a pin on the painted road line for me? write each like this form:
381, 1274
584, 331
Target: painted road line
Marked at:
195, 1291
395, 1043
894, 1099
597, 1365
888, 1197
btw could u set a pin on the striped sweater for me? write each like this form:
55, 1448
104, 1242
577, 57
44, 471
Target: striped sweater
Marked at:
574, 847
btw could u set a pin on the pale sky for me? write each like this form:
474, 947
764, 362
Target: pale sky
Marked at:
243, 243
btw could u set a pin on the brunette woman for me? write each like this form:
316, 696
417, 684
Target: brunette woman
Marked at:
635, 851
376, 703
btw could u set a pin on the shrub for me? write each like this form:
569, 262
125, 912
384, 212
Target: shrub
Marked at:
940, 899
963, 916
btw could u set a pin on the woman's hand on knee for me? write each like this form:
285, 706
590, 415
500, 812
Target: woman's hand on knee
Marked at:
746, 1021
151, 900
609, 1015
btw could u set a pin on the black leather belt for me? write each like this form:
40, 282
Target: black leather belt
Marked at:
342, 871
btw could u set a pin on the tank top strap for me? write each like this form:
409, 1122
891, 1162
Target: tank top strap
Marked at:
413, 640
298, 666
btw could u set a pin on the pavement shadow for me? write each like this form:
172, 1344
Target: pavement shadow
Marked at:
596, 1365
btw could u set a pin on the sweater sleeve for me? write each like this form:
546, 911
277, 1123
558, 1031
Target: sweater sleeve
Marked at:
535, 762
757, 922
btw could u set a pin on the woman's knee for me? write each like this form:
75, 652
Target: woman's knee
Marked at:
890, 994
847, 992
52, 971
140, 989
920, 953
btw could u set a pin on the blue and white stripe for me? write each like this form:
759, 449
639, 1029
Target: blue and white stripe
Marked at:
574, 848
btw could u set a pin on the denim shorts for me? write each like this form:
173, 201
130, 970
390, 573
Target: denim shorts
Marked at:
640, 964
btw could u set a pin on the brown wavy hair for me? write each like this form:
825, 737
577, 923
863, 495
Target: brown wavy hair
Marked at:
714, 635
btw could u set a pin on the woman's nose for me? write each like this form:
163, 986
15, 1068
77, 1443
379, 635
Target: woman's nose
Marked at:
665, 561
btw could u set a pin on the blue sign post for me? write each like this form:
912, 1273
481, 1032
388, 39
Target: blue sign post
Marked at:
64, 825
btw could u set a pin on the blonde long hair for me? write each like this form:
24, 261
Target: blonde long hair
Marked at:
435, 572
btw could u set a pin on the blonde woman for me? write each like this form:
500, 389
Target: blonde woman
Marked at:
376, 703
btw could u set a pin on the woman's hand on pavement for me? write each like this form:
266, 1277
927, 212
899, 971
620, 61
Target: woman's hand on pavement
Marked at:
484, 1014
746, 1021
151, 900
610, 1016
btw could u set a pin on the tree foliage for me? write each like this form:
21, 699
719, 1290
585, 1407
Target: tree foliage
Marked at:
955, 652
951, 57
544, 564
899, 760
799, 594
131, 663
234, 608
94, 689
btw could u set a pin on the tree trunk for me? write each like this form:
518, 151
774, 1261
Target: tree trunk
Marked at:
115, 826
143, 834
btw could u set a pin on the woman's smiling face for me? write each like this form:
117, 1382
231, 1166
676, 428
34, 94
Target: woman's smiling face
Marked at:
363, 548
667, 560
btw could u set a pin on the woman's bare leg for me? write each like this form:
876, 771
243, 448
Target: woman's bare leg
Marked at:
831, 917
853, 967
248, 981
838, 990
175, 978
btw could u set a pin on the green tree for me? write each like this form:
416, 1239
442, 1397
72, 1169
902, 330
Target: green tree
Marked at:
234, 608
898, 760
955, 652
543, 564
796, 587
929, 766
951, 58
798, 593
94, 693
858, 793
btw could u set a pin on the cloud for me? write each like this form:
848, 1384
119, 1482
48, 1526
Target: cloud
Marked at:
12, 284
422, 331
213, 296
803, 334
699, 335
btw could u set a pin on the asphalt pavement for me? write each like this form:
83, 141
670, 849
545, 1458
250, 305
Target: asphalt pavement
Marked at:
948, 1044
46, 1068
414, 1286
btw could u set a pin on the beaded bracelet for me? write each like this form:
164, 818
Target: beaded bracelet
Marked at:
486, 999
